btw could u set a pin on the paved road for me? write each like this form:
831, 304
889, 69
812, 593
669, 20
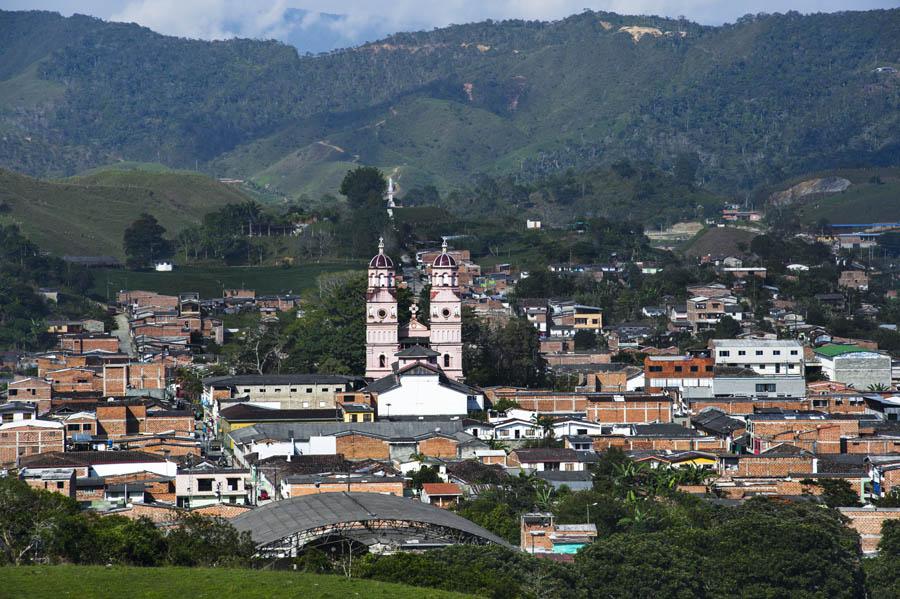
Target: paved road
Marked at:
122, 333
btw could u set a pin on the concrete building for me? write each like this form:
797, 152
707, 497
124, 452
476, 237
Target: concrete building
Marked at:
736, 381
854, 365
206, 484
677, 372
765, 356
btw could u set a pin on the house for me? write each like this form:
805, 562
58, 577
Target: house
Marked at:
102, 463
813, 431
854, 365
23, 438
854, 279
207, 484
283, 391
704, 313
588, 318
442, 495
628, 408
33, 390
738, 381
297, 485
677, 372
17, 411
546, 458
55, 480
247, 414
517, 428
539, 534
765, 356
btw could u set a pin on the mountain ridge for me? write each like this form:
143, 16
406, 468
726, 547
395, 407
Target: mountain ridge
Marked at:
502, 97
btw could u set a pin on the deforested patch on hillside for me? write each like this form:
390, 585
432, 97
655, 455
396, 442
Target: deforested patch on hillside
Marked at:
822, 185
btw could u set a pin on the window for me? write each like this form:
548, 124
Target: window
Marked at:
708, 368
246, 390
742, 352
233, 484
793, 352
305, 404
724, 353
765, 388
759, 352
581, 431
262, 389
777, 352
13, 392
73, 427
293, 389
308, 390
60, 484
656, 369
86, 427
204, 484
7, 418
322, 404
694, 369
382, 361
678, 369
446, 360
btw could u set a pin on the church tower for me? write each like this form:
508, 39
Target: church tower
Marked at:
446, 314
381, 315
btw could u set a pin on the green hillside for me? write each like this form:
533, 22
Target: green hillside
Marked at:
873, 196
520, 98
88, 214
39, 582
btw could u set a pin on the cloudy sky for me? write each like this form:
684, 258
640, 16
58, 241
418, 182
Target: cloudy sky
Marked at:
318, 25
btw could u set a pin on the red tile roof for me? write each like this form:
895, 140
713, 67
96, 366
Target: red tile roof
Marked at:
441, 489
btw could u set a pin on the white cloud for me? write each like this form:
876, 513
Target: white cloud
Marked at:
360, 19
207, 19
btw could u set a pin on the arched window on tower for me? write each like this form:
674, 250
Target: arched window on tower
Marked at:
382, 361
381, 279
445, 280
446, 360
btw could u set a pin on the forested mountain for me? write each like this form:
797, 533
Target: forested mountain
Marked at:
769, 97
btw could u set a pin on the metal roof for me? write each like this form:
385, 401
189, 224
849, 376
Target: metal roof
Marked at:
284, 518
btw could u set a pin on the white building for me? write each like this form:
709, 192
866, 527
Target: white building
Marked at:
422, 389
765, 356
855, 366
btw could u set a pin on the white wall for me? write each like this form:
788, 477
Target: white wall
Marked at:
161, 468
422, 396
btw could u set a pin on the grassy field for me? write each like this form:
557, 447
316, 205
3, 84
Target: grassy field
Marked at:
87, 215
209, 281
718, 240
197, 583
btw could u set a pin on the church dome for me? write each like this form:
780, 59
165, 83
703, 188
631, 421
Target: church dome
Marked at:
444, 260
381, 260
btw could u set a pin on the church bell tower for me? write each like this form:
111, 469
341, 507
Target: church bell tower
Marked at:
446, 314
382, 326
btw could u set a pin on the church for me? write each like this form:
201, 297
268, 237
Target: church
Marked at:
419, 366
390, 343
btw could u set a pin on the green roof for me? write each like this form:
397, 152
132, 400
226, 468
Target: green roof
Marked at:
833, 349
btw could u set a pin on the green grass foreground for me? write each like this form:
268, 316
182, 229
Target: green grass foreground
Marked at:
99, 582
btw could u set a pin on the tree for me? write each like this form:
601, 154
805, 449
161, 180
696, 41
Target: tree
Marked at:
364, 187
686, 165
727, 328
144, 242
836, 492
131, 542
201, 541
331, 335
32, 522
425, 474
585, 339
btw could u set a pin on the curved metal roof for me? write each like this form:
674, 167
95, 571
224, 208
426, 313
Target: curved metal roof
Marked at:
281, 519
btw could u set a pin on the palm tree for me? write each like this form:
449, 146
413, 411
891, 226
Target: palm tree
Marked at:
878, 387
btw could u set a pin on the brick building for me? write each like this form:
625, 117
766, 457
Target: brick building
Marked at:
868, 521
662, 372
28, 438
813, 431
310, 484
31, 390
85, 343
628, 408
119, 378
